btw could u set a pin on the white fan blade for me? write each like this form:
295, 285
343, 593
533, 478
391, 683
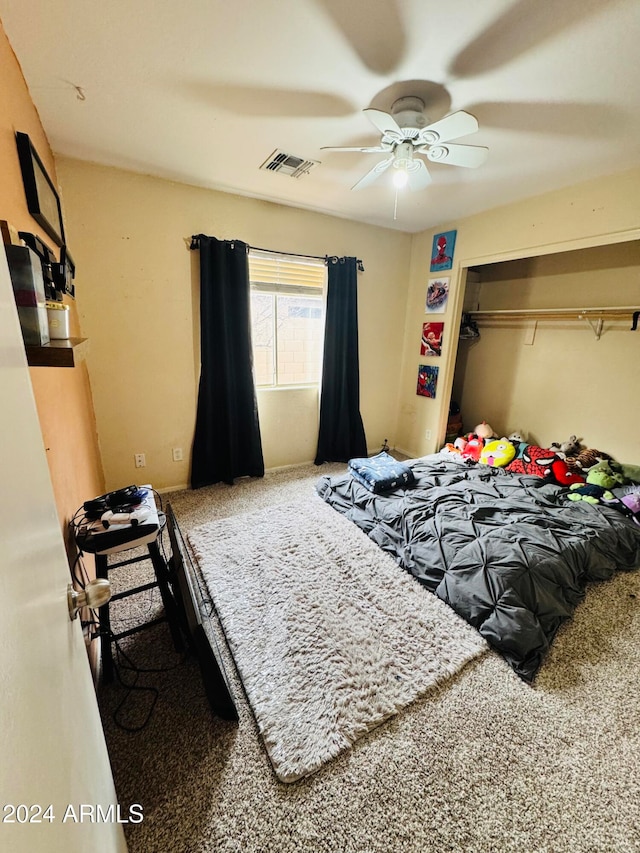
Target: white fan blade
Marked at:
450, 127
418, 178
378, 149
470, 156
385, 123
371, 176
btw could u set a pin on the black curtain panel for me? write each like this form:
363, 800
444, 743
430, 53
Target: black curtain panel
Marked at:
341, 433
227, 440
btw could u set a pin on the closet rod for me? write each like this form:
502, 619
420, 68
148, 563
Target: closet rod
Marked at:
553, 313
587, 314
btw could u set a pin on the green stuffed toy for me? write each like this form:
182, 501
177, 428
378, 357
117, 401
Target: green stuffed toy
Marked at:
612, 469
596, 489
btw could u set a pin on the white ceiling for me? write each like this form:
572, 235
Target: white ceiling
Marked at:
202, 91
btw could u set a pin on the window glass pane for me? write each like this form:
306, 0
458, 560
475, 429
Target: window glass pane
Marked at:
262, 334
299, 339
287, 311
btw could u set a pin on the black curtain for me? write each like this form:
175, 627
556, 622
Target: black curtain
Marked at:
341, 434
227, 440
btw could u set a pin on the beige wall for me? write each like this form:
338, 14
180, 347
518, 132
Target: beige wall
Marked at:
597, 212
63, 395
137, 295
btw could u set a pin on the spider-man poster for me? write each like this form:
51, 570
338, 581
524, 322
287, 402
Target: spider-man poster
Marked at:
437, 295
427, 381
442, 250
431, 343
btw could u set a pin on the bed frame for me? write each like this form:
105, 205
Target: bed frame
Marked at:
191, 606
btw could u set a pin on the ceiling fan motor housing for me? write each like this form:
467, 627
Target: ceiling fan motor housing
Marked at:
408, 112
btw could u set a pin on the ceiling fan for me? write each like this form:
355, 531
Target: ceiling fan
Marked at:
406, 132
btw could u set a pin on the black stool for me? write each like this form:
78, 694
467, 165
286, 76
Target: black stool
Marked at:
162, 581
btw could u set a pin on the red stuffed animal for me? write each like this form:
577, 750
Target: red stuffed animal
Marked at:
473, 448
563, 475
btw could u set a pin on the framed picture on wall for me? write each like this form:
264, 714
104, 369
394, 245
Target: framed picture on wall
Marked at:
437, 296
427, 381
43, 201
442, 250
431, 343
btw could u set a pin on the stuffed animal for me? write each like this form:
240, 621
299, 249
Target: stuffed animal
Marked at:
473, 448
631, 472
626, 499
455, 448
485, 431
519, 442
450, 450
612, 468
596, 489
567, 448
586, 458
460, 443
562, 475
631, 502
535, 461
498, 453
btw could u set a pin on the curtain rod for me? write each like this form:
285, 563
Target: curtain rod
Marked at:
326, 258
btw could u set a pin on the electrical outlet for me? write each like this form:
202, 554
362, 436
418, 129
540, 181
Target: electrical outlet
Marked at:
177, 454
427, 434
140, 460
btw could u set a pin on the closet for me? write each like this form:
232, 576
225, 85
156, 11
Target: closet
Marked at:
556, 355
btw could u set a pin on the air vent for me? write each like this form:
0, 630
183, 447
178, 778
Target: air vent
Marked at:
288, 164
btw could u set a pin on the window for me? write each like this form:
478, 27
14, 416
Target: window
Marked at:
287, 319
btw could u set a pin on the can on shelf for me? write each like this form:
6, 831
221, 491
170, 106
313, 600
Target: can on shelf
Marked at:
58, 317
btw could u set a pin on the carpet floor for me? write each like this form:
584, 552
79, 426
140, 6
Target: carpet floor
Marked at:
484, 762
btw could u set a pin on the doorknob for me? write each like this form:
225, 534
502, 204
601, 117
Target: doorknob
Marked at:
95, 594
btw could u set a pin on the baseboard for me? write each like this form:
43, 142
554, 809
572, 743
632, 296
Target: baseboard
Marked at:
410, 454
287, 467
186, 486
310, 462
181, 487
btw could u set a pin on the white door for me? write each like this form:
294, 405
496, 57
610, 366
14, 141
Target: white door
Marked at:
52, 748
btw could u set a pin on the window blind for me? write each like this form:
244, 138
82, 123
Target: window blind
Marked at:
267, 268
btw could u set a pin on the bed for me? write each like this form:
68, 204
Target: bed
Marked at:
508, 552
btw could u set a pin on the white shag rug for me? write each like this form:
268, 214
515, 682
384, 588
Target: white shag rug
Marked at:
329, 635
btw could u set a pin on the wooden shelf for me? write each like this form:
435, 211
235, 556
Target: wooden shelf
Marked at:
67, 353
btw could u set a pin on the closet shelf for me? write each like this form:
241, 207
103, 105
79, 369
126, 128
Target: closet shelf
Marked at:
57, 353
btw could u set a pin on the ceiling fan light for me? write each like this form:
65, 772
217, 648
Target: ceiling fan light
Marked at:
400, 178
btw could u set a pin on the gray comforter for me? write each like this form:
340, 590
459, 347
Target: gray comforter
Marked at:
507, 552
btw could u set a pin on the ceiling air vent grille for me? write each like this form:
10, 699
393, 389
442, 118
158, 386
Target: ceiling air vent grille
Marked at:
288, 164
